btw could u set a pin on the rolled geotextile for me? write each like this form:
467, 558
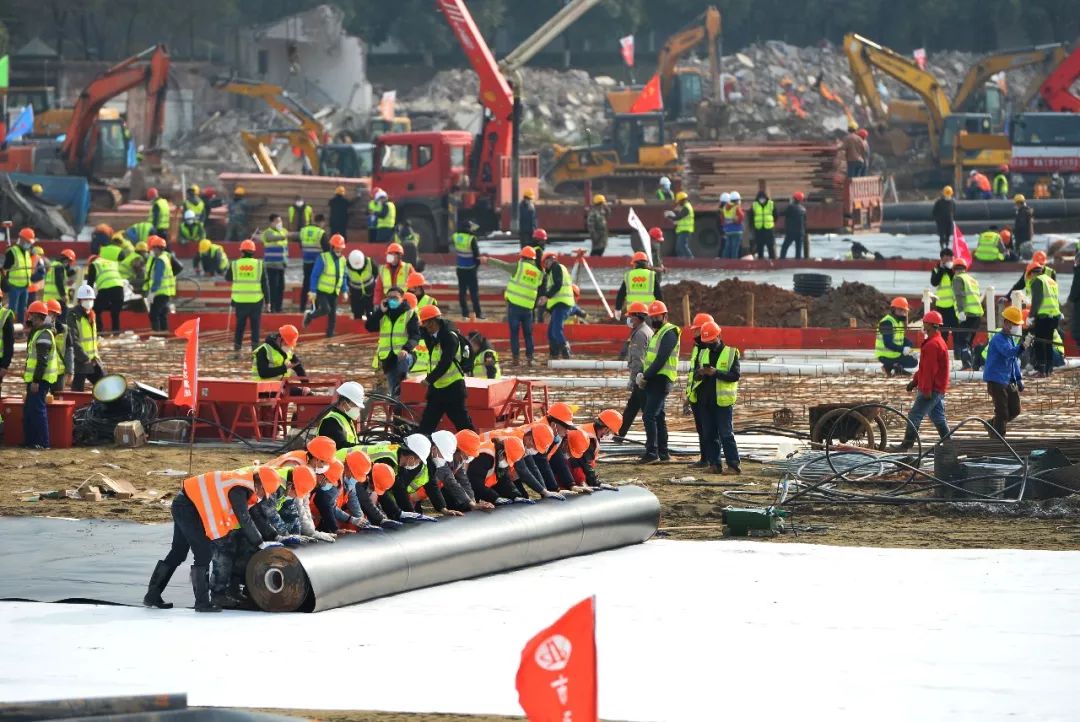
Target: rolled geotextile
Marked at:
928, 228
982, 211
359, 567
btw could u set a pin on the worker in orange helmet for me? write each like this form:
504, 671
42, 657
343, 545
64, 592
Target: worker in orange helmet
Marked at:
893, 348
661, 364
63, 348
415, 285
275, 358
521, 292
795, 226
43, 367
637, 316
58, 278
18, 271
693, 380
1038, 260
512, 473
607, 423
395, 272
250, 290
640, 283
445, 381
538, 439
557, 297
468, 449
560, 419
716, 392
159, 287
328, 275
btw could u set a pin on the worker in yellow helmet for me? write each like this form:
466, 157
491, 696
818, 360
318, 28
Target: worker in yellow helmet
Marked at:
597, 225
944, 215
1001, 371
683, 218
212, 260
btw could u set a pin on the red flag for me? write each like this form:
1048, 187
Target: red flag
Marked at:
649, 101
188, 391
959, 245
626, 44
920, 57
556, 681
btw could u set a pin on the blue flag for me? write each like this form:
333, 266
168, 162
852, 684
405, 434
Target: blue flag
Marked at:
23, 125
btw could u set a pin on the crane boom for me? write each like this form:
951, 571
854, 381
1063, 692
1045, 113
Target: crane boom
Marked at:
1055, 90
543, 36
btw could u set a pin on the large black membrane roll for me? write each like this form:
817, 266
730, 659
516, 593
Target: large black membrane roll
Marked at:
359, 567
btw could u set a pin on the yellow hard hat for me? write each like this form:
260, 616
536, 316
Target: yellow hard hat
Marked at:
947, 191
598, 199
1019, 198
119, 237
204, 245
681, 196
37, 189
1013, 315
141, 247
39, 251
529, 193
239, 191
194, 188
339, 191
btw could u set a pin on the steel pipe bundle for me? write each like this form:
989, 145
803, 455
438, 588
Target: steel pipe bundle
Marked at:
365, 566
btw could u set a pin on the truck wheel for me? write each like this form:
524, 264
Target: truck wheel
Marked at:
812, 284
426, 230
707, 242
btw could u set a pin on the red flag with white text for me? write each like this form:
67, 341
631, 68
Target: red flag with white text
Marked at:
650, 100
626, 44
556, 681
188, 392
959, 245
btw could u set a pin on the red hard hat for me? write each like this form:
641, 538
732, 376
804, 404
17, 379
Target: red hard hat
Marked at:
540, 235
289, 334
578, 443
657, 308
382, 478
68, 254
1039, 257
38, 307
429, 312
27, 234
269, 479
322, 448
528, 252
700, 319
934, 318
337, 241
359, 464
549, 255
637, 307
656, 234
710, 331
799, 196
960, 263
864, 133
152, 193
900, 302
248, 245
415, 280
562, 413
639, 257
54, 306
395, 248
1003, 168
303, 479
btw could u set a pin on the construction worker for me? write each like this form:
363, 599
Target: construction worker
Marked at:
339, 206
192, 230
693, 380
640, 284
521, 297
415, 285
941, 278
656, 241
445, 380
212, 260
160, 284
969, 311
63, 349
526, 217
596, 223
409, 239
795, 226
237, 219
43, 368
194, 203
394, 273
991, 248
329, 275
313, 243
583, 463
716, 393
1006, 240
683, 217
664, 192
484, 359
855, 152
399, 333
58, 279
1046, 312
931, 380
1056, 187
18, 271
763, 212
160, 216
978, 187
250, 290
661, 364
361, 282
104, 276
135, 233
1000, 186
467, 252
300, 215
637, 315
133, 267
557, 297
115, 249
339, 421
100, 236
1023, 226
944, 216
893, 348
7, 338
83, 340
734, 218
275, 358
385, 217
1001, 371
275, 242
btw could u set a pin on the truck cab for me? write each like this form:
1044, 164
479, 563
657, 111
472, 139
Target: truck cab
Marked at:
1044, 144
346, 160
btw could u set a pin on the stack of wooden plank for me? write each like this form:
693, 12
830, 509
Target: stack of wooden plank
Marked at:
786, 166
275, 193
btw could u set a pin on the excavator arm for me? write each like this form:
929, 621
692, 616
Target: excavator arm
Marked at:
277, 98
705, 28
1055, 89
990, 65
80, 144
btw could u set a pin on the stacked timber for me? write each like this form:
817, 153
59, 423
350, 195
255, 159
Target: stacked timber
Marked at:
275, 193
786, 167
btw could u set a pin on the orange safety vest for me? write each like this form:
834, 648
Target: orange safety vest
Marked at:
210, 495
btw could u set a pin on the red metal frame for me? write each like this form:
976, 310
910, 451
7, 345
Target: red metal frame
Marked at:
1055, 90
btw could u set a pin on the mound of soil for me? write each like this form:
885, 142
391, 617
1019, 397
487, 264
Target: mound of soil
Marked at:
850, 300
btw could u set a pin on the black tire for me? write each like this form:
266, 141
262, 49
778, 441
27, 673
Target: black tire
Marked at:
706, 242
812, 284
426, 230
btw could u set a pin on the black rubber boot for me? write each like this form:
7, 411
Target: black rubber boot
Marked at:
200, 584
158, 581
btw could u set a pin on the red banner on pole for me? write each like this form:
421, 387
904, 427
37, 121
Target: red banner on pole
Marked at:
187, 394
626, 44
556, 681
960, 246
649, 101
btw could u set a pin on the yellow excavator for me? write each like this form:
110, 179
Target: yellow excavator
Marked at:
977, 95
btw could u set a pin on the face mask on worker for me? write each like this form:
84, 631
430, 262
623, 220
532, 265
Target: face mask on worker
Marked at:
353, 412
391, 258
531, 452
948, 264
87, 304
504, 464
630, 323
278, 225
438, 461
557, 440
322, 468
656, 322
410, 465
393, 303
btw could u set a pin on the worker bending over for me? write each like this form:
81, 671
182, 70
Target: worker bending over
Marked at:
212, 260
661, 363
275, 358
399, 333
484, 359
893, 348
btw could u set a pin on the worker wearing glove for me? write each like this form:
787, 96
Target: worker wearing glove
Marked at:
1001, 371
892, 347
969, 312
328, 275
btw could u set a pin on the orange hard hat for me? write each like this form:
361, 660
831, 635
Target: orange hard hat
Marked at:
359, 464
289, 334
960, 263
303, 480
322, 448
1006, 235
468, 442
561, 412
152, 193
54, 306
156, 242
700, 320
395, 248
710, 332
68, 254
549, 255
38, 307
337, 241
656, 234
429, 312
1039, 257
639, 257
382, 478
638, 307
528, 252
27, 234
334, 473
409, 298
1031, 266
578, 443
540, 235
269, 479
611, 419
486, 447
933, 318
514, 449
247, 246
899, 302
657, 308
415, 280
104, 228
542, 435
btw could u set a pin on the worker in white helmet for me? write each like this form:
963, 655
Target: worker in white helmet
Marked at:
360, 278
83, 339
339, 422
664, 192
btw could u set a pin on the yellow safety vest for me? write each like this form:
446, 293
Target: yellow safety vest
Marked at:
763, 214
671, 367
479, 370
163, 214
333, 274
988, 250
111, 252
1001, 185
51, 292
686, 223
21, 268
108, 274
358, 279
524, 285
311, 239
640, 283
275, 357
422, 364
463, 249
565, 294
307, 215
727, 392
692, 383
197, 206
945, 296
127, 270
1051, 305
880, 349
453, 373
347, 426
5, 314
390, 219
52, 366
168, 279
972, 297
247, 274
142, 230
88, 337
405, 268
393, 335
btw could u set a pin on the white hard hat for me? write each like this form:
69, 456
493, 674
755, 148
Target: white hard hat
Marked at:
973, 173
356, 260
189, 215
419, 445
735, 197
380, 195
353, 392
445, 442
85, 293
665, 181
725, 197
